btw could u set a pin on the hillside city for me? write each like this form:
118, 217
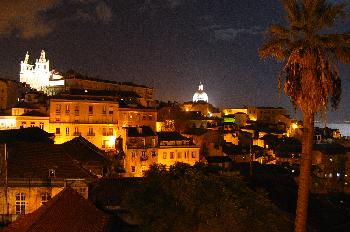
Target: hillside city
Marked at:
61, 132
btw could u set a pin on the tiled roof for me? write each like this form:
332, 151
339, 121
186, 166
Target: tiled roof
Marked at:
170, 136
67, 211
31, 134
84, 151
142, 131
35, 160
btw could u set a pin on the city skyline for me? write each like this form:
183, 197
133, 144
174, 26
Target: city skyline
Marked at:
169, 45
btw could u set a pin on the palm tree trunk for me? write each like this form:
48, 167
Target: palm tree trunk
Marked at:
305, 174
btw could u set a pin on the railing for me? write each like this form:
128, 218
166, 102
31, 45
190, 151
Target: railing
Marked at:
90, 134
76, 133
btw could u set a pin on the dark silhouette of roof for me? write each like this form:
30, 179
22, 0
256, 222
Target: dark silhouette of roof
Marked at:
170, 136
35, 113
84, 151
26, 105
196, 131
71, 74
35, 160
218, 159
330, 148
31, 134
96, 92
142, 131
232, 149
67, 211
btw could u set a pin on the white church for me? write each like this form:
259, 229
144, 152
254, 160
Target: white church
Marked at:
39, 76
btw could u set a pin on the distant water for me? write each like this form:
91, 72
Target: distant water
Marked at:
344, 128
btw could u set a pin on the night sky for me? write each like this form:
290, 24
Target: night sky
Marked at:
170, 45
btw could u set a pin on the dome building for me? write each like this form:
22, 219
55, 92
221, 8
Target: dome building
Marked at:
200, 95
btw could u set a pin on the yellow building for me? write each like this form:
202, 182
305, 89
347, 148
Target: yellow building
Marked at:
232, 111
28, 178
266, 114
173, 148
95, 120
141, 150
136, 117
30, 118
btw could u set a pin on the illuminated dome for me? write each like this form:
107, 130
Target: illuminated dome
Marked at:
200, 95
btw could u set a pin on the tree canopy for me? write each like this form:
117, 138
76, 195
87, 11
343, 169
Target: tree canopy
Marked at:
186, 198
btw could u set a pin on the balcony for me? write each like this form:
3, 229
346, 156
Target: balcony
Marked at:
76, 133
90, 134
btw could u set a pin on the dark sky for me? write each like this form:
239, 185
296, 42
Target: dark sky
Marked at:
170, 45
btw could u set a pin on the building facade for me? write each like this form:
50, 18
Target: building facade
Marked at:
95, 120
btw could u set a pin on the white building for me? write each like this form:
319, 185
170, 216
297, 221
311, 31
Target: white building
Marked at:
39, 76
200, 95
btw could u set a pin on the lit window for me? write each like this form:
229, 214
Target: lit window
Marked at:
58, 108
67, 109
179, 155
171, 155
41, 125
91, 109
45, 197
133, 154
164, 155
67, 131
82, 191
91, 131
143, 169
20, 203
104, 143
133, 169
110, 110
32, 124
58, 131
104, 109
76, 109
110, 131
24, 124
193, 154
76, 131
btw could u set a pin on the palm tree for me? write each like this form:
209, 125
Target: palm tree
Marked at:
310, 52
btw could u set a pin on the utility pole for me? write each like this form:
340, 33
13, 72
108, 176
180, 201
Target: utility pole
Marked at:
250, 161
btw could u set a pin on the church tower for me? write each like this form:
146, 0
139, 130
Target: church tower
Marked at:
200, 95
36, 76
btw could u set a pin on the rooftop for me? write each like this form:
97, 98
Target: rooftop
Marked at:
36, 160
84, 151
67, 211
31, 134
170, 136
